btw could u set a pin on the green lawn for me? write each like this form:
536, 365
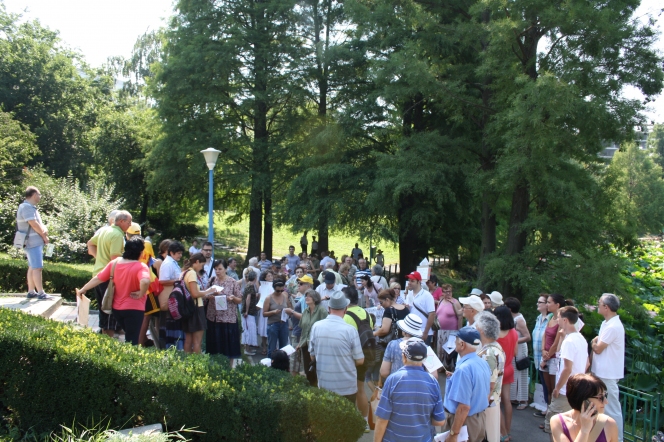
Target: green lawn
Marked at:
85, 267
236, 235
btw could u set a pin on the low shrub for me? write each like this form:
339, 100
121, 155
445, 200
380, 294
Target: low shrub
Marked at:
58, 278
51, 373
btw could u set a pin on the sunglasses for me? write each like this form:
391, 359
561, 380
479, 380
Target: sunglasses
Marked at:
207, 250
603, 396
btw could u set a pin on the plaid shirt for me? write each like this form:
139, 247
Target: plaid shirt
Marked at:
538, 336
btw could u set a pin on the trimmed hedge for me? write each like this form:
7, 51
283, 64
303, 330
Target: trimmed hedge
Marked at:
58, 278
51, 374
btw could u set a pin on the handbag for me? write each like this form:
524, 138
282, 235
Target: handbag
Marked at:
152, 299
522, 364
391, 335
435, 326
107, 300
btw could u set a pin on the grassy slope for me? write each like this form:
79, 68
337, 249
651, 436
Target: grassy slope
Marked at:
236, 235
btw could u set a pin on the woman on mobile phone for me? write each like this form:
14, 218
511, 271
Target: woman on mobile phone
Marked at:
586, 421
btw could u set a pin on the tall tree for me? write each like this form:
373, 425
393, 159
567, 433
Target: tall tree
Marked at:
50, 89
228, 79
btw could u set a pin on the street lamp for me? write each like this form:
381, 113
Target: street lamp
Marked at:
211, 155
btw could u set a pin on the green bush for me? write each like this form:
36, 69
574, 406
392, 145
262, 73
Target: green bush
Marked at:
58, 278
51, 374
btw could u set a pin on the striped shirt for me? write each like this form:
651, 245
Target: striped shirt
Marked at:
538, 336
336, 346
410, 400
359, 273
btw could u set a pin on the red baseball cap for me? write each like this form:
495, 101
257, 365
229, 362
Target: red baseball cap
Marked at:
415, 275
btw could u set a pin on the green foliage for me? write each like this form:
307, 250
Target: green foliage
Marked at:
638, 187
58, 278
71, 213
50, 89
91, 377
17, 146
656, 143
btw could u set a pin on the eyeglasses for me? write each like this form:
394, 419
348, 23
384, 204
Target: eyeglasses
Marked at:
301, 283
207, 250
541, 302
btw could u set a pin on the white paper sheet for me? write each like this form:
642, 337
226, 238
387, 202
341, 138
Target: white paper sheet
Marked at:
284, 316
579, 325
220, 302
463, 435
288, 349
424, 272
432, 363
450, 345
267, 362
264, 290
425, 262
218, 288
378, 312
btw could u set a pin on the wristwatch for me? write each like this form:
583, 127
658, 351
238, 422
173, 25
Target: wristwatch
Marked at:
453, 433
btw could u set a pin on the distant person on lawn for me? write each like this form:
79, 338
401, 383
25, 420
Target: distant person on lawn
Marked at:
28, 221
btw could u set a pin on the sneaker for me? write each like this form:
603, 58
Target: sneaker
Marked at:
32, 294
250, 352
41, 296
367, 429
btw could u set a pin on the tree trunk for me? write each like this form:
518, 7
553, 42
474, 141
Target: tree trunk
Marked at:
267, 231
516, 235
411, 248
255, 219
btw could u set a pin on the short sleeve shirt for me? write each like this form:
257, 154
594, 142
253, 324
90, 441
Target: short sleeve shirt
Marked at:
169, 270
610, 364
469, 385
494, 355
410, 400
27, 212
360, 313
574, 348
336, 346
190, 276
393, 355
424, 301
110, 243
127, 278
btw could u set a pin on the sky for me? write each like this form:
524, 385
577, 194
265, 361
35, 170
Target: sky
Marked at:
102, 29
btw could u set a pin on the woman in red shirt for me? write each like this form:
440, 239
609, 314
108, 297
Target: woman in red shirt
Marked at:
508, 339
132, 279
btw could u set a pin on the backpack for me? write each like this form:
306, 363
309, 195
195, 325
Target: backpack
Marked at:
180, 302
367, 338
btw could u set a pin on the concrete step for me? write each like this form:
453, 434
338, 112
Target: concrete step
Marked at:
19, 301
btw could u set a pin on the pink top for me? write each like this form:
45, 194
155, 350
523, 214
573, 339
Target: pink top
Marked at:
437, 294
127, 279
508, 343
447, 316
600, 438
550, 336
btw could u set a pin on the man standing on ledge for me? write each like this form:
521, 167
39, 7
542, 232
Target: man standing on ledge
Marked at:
105, 246
29, 221
609, 359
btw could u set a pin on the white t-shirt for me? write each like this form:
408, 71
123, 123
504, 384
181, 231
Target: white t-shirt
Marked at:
575, 349
323, 292
424, 301
193, 250
610, 364
169, 270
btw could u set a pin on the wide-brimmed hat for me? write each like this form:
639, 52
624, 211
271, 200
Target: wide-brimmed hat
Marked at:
474, 301
338, 301
476, 292
496, 298
411, 324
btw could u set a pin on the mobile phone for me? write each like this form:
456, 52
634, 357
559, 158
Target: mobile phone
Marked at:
586, 403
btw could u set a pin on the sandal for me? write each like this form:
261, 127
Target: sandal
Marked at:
505, 438
541, 426
522, 406
264, 351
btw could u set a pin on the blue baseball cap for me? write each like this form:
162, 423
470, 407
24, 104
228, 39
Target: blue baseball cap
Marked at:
414, 348
469, 335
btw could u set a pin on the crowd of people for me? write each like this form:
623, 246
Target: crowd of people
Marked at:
350, 327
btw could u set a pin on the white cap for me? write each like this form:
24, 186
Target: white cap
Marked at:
474, 301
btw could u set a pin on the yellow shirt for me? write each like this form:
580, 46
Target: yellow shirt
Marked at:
110, 242
190, 276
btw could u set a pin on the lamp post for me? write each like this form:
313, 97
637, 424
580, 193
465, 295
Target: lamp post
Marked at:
211, 155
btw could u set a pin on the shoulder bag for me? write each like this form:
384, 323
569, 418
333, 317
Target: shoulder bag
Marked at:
107, 300
435, 326
392, 334
20, 238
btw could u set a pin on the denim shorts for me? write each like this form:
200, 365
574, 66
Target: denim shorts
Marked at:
35, 257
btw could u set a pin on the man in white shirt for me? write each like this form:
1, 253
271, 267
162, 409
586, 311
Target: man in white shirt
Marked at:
573, 360
207, 267
194, 248
422, 305
609, 358
329, 268
324, 260
328, 288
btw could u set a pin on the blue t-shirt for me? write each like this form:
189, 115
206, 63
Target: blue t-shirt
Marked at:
393, 354
469, 385
410, 400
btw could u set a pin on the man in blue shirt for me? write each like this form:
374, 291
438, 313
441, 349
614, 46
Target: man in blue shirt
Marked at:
411, 402
467, 390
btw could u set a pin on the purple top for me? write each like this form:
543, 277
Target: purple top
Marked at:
600, 438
